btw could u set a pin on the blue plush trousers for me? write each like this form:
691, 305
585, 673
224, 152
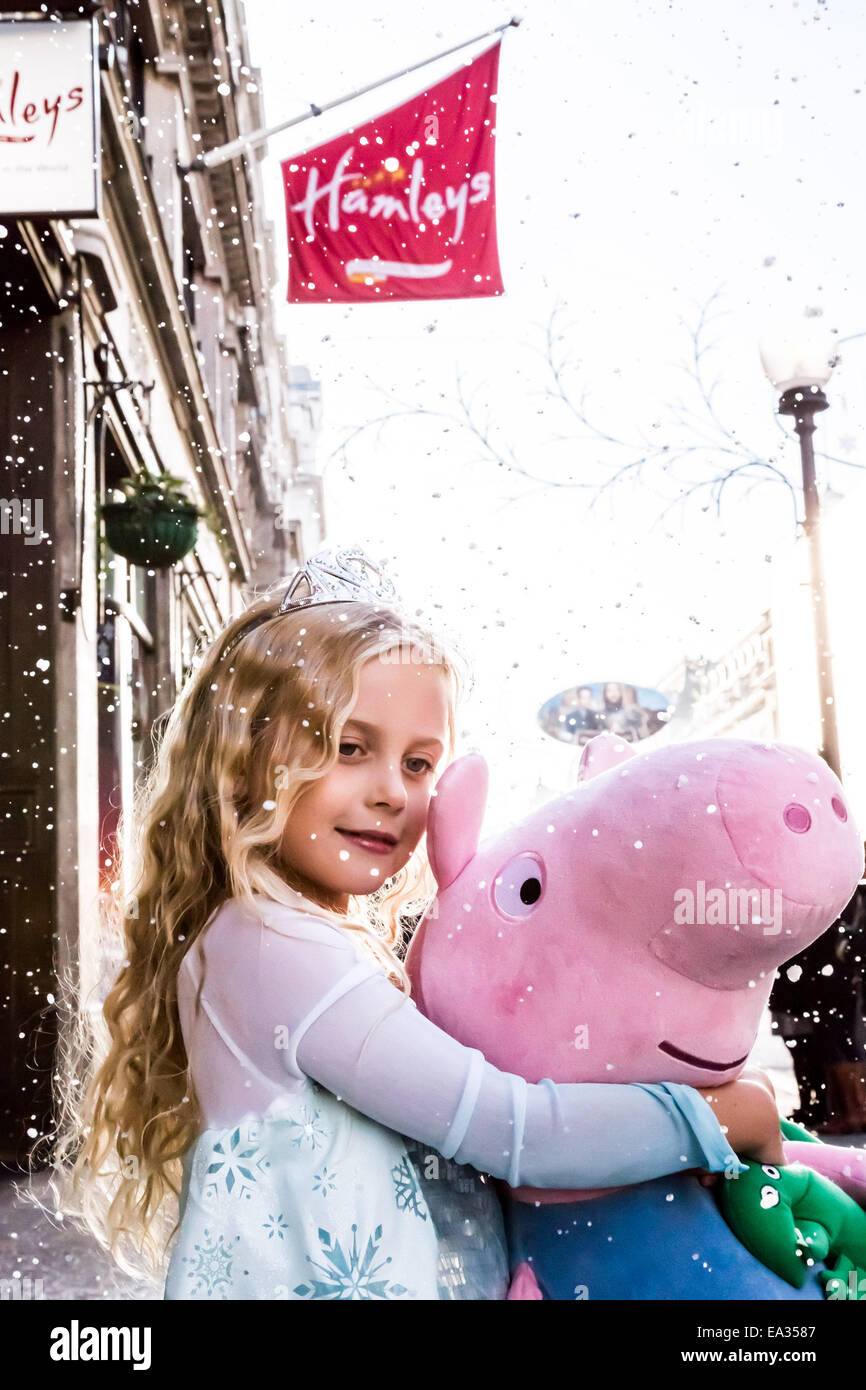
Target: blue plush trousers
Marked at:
664, 1239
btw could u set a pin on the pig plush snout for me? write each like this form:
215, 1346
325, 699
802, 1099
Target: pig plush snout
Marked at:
796, 852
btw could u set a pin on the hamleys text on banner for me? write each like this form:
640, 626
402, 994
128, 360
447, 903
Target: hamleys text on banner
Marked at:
50, 161
402, 207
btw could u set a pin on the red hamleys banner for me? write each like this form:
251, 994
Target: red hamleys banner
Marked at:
401, 207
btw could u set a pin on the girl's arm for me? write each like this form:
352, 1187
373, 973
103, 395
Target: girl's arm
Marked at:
346, 1026
396, 1066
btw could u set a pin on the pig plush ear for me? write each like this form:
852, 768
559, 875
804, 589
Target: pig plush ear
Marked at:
602, 753
455, 816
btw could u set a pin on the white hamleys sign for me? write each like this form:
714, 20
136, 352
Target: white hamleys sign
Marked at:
49, 119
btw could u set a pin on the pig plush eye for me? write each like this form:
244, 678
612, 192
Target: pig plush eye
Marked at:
518, 887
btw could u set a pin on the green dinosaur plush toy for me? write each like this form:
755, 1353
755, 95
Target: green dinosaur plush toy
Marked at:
790, 1217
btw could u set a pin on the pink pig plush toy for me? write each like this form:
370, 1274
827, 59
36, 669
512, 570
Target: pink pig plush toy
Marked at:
630, 931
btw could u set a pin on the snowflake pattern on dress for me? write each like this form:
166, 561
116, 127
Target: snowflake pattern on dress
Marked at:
275, 1226
325, 1182
408, 1193
312, 1131
237, 1160
350, 1275
264, 1176
212, 1264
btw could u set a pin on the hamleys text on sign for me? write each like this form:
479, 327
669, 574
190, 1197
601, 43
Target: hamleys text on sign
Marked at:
23, 119
403, 206
50, 160
361, 202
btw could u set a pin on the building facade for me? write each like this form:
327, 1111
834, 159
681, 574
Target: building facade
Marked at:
140, 342
735, 696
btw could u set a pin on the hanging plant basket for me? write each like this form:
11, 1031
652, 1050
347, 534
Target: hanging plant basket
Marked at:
155, 525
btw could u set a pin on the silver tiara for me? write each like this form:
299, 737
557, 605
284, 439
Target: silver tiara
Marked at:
332, 576
339, 575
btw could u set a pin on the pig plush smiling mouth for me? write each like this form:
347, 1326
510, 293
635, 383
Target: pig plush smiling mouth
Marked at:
630, 930
700, 1062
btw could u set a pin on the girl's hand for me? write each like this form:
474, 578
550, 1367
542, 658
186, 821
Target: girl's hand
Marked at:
746, 1110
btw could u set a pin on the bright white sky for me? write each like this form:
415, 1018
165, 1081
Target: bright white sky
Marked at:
648, 156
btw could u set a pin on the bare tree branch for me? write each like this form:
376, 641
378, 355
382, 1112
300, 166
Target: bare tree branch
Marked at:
704, 436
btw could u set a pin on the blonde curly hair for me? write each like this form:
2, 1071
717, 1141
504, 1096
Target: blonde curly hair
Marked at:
206, 824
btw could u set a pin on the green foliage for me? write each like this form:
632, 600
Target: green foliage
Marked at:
164, 492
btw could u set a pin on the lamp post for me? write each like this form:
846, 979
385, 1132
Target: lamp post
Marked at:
831, 1089
799, 365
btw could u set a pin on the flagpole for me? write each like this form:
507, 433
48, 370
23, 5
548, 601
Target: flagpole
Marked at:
223, 153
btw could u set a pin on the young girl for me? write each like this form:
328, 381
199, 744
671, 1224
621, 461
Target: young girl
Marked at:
263, 1060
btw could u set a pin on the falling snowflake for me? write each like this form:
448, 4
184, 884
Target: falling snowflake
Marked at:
236, 1162
408, 1194
325, 1182
312, 1131
276, 1226
350, 1276
212, 1265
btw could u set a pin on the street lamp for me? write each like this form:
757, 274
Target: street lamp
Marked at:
799, 364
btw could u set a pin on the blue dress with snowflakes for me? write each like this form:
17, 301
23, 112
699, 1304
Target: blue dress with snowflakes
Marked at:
310, 1200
